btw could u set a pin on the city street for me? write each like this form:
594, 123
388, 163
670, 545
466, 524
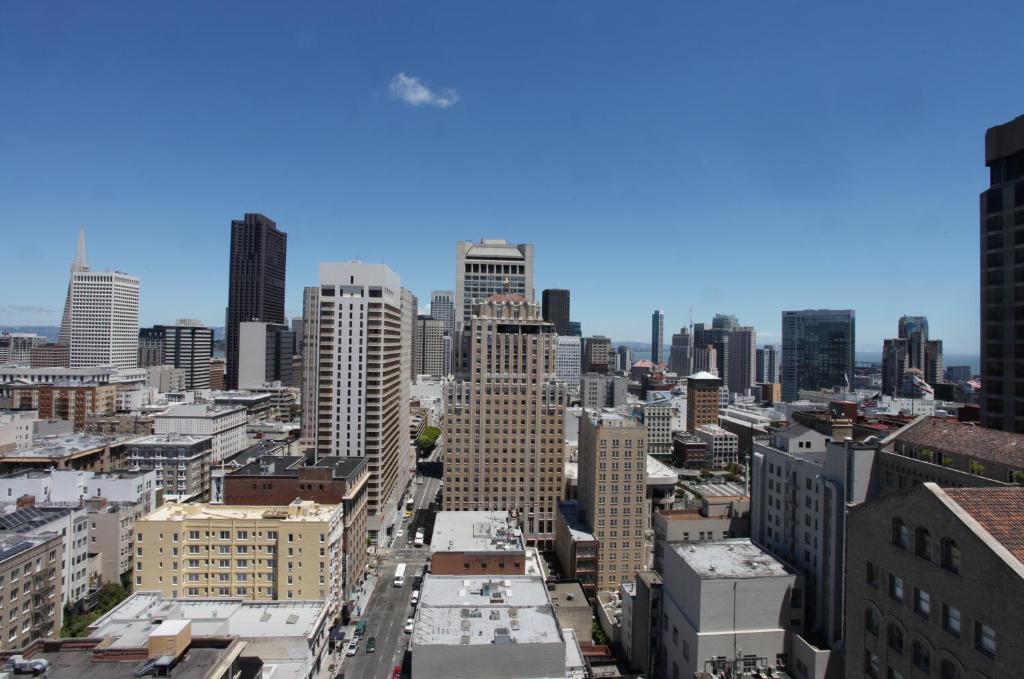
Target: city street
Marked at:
389, 606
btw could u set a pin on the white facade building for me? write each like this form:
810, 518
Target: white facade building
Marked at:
723, 445
721, 600
101, 316
226, 424
16, 347
16, 428
442, 308
69, 522
489, 267
363, 361
567, 362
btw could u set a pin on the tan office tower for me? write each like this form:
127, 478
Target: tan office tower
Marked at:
701, 400
504, 426
361, 352
612, 492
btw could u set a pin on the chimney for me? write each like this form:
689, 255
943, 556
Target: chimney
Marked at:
26, 501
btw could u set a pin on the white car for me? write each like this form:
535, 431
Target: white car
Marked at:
408, 626
353, 648
400, 533
415, 597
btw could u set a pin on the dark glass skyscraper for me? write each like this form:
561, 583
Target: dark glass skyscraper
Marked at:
658, 337
1002, 339
555, 309
817, 350
255, 281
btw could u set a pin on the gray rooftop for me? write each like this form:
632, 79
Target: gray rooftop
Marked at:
476, 532
61, 446
131, 622
457, 611
739, 558
578, 530
68, 664
728, 489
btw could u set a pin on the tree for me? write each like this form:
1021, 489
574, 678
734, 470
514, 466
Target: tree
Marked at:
600, 637
427, 441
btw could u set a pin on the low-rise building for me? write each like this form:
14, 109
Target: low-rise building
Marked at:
722, 445
198, 551
289, 638
166, 378
225, 423
599, 391
16, 429
181, 462
279, 480
50, 355
721, 600
65, 401
689, 451
71, 523
477, 543
507, 625
935, 584
257, 404
576, 547
31, 567
641, 621
64, 451
717, 518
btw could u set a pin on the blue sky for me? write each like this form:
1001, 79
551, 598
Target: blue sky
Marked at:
734, 157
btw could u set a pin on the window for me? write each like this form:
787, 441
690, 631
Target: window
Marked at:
950, 555
923, 543
947, 670
895, 635
872, 575
900, 533
225, 535
896, 587
985, 639
951, 620
890, 673
922, 603
871, 665
921, 657
871, 620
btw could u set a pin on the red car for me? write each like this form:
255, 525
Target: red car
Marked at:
397, 672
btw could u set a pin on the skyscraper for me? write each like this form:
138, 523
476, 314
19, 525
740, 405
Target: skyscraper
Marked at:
680, 355
894, 364
555, 306
489, 267
742, 346
188, 345
504, 423
616, 511
567, 362
718, 338
428, 351
701, 400
265, 354
361, 345
1000, 273
256, 281
442, 308
705, 359
724, 322
657, 337
596, 353
101, 316
623, 358
914, 329
767, 368
310, 366
817, 350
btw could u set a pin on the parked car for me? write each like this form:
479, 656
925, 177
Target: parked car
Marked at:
408, 626
397, 672
371, 645
353, 648
415, 597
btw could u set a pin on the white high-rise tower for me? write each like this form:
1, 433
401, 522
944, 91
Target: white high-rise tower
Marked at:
101, 315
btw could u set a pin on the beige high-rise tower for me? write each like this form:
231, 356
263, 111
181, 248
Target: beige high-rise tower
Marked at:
612, 493
504, 427
362, 350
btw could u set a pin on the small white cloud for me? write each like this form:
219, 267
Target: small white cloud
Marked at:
413, 92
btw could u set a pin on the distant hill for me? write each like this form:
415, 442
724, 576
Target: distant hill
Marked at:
50, 332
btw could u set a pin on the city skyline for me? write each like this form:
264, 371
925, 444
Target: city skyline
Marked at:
639, 135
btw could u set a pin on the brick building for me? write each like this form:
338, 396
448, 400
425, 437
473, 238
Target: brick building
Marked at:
480, 543
72, 402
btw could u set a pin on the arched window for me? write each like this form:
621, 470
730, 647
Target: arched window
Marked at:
895, 635
921, 656
923, 543
948, 670
950, 555
900, 533
871, 620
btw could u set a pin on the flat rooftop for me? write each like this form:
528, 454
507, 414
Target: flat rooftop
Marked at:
303, 510
578, 530
132, 621
456, 611
738, 558
658, 473
290, 465
199, 410
197, 663
727, 489
476, 532
169, 440
60, 446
